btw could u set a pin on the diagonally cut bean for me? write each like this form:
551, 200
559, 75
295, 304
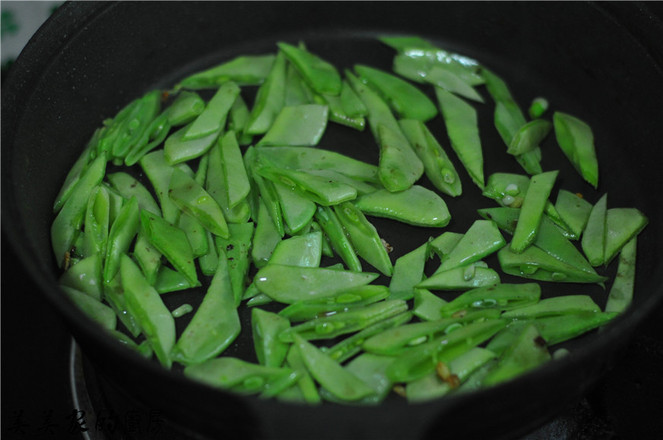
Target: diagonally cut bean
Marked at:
244, 70
318, 73
621, 225
576, 140
408, 272
269, 99
480, 240
213, 118
532, 209
340, 243
621, 292
297, 126
594, 236
121, 235
416, 206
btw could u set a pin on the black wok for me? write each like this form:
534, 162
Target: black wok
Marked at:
602, 61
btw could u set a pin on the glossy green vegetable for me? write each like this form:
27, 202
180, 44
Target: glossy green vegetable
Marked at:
460, 118
408, 272
532, 209
481, 239
85, 276
593, 238
621, 291
244, 70
92, 307
318, 73
576, 140
122, 232
269, 99
300, 126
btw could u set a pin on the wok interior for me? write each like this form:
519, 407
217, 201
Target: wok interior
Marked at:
576, 55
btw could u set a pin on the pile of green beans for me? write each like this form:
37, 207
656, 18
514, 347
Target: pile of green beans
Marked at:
237, 199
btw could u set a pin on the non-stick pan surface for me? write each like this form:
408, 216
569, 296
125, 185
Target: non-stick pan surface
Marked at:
600, 62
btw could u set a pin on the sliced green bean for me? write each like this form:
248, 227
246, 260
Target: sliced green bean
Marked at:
405, 99
408, 272
185, 108
529, 136
437, 166
557, 329
559, 305
67, 224
235, 374
574, 210
145, 304
288, 284
172, 243
576, 140
427, 305
594, 236
501, 297
244, 70
169, 280
236, 248
532, 210
461, 278
121, 235
214, 326
309, 390
269, 98
330, 374
97, 222
177, 149
195, 233
318, 73
158, 171
621, 292
129, 187
266, 327
460, 118
297, 126
621, 225
182, 310
480, 240
364, 237
85, 276
75, 173
92, 307
371, 369
340, 242
153, 136
147, 257
210, 260
265, 239
213, 118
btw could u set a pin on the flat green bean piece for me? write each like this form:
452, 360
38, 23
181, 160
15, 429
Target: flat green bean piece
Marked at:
501, 296
236, 249
443, 244
416, 63
75, 173
177, 149
265, 190
427, 305
461, 278
185, 108
191, 198
67, 224
574, 210
92, 307
316, 188
433, 386
85, 276
288, 284
529, 136
418, 361
318, 73
269, 98
244, 70
129, 187
308, 158
266, 327
132, 128
169, 280
153, 136
97, 222
210, 260
214, 326
297, 210
122, 233
351, 345
172, 243
338, 324
297, 126
213, 118
509, 118
239, 118
416, 206
114, 296
265, 239
527, 352
452, 82
560, 305
408, 272
216, 184
343, 302
145, 304
549, 238
480, 240
508, 189
556, 329
594, 236
195, 233
147, 257
158, 171
402, 43
330, 374
399, 166
576, 140
235, 374
371, 369
236, 178
337, 113
353, 106
405, 99
364, 237
536, 264
297, 91
309, 390
303, 251
461, 121
437, 166
340, 242
621, 292
395, 341
532, 210
621, 225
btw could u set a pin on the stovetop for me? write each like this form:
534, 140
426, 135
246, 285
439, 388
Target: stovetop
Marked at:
40, 362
